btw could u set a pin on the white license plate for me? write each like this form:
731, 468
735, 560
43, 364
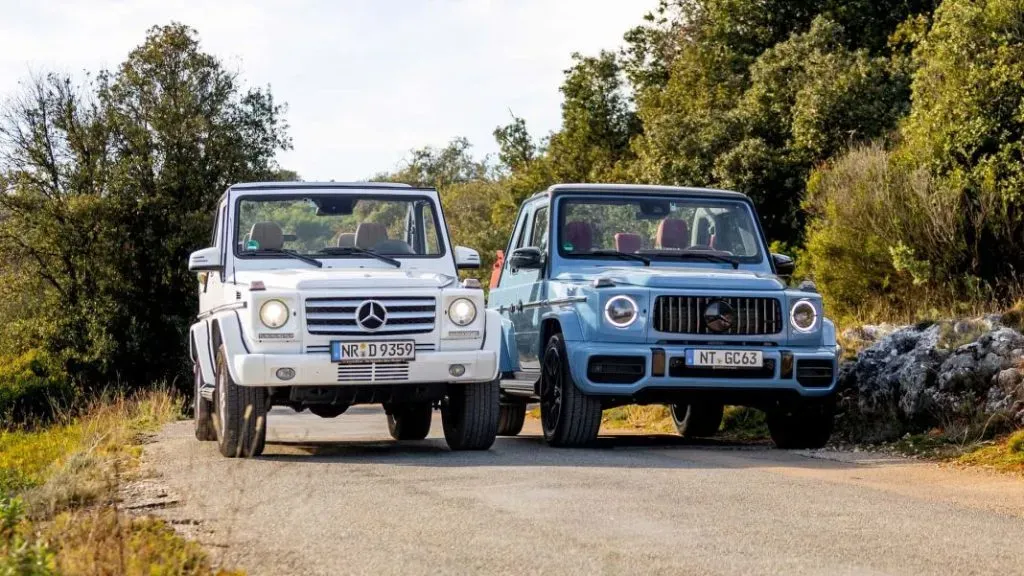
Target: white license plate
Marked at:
725, 358
390, 351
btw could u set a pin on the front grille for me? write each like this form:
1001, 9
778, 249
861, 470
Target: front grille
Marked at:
373, 372
814, 373
337, 316
685, 315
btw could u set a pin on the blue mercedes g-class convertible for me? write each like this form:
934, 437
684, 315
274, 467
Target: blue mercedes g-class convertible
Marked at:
620, 294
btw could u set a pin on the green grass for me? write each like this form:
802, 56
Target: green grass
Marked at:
59, 502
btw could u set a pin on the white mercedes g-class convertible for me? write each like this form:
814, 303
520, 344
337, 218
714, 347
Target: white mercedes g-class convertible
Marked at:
322, 296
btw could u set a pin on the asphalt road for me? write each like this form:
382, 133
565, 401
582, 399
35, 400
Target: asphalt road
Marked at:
339, 497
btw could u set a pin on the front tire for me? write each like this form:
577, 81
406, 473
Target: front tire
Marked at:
410, 422
241, 414
569, 417
203, 411
805, 425
511, 418
469, 415
697, 420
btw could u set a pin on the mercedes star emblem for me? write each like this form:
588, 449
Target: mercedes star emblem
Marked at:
719, 316
371, 315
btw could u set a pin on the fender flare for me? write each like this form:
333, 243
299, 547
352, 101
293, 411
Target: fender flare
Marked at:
828, 332
568, 321
224, 328
509, 359
200, 349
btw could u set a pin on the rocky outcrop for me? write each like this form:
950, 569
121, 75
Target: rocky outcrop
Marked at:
949, 375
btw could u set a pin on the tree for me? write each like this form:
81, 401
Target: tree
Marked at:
111, 186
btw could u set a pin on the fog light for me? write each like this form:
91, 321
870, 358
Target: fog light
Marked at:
456, 370
285, 373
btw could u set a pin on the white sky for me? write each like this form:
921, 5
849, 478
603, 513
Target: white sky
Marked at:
365, 80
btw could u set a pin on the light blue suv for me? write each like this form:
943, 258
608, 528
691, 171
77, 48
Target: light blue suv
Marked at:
620, 294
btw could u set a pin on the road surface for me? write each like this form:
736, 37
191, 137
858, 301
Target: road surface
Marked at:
339, 497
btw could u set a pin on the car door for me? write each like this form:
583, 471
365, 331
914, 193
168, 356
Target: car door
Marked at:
533, 290
210, 283
507, 297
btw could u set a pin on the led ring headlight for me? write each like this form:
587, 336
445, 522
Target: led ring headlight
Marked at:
462, 311
803, 316
620, 311
274, 314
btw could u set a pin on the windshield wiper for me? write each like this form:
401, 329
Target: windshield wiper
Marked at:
289, 253
700, 255
348, 250
617, 254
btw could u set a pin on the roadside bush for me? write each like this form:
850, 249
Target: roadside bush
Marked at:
32, 388
938, 221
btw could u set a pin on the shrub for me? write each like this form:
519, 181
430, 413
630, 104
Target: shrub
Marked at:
887, 235
32, 389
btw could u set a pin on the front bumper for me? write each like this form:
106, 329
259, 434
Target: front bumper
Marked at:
580, 354
318, 370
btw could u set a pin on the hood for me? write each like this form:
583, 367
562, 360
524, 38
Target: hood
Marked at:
335, 278
682, 278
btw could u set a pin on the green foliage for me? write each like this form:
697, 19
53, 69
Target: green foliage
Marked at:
21, 554
110, 185
938, 219
32, 387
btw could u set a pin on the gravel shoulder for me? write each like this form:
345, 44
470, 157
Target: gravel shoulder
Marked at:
339, 497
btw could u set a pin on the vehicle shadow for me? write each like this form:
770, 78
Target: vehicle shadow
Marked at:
653, 451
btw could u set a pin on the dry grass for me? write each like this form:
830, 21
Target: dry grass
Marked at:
653, 419
60, 514
1005, 454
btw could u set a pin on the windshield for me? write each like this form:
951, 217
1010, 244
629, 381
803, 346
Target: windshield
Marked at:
665, 228
338, 226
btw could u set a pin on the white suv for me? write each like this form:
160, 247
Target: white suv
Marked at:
326, 295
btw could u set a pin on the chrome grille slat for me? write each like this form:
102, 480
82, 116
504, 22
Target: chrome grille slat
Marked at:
336, 316
374, 372
684, 315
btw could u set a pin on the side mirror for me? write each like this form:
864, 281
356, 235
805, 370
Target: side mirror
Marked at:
783, 264
466, 258
529, 258
206, 259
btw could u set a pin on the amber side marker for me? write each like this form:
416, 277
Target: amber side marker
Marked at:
786, 371
657, 362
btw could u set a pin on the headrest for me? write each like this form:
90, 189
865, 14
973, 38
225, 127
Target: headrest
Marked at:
626, 242
346, 240
369, 234
580, 235
267, 235
673, 234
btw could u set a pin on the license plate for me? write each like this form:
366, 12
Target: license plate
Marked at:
725, 358
390, 351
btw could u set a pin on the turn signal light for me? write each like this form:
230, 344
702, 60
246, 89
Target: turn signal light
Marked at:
657, 362
786, 370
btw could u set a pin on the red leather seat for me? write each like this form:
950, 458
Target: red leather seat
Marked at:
673, 234
627, 242
580, 235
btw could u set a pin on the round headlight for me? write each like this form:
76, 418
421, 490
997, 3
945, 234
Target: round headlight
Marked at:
274, 314
462, 311
620, 311
803, 316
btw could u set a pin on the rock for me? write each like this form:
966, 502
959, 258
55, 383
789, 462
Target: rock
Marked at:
907, 382
1008, 379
